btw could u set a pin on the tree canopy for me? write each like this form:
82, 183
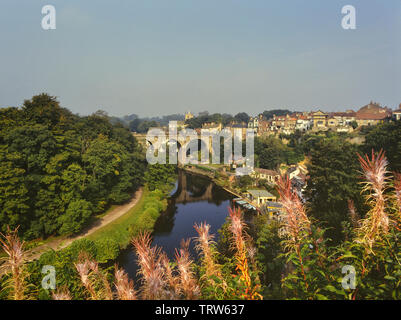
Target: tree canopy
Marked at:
57, 169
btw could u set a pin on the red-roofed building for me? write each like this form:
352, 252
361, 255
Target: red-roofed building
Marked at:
285, 124
372, 114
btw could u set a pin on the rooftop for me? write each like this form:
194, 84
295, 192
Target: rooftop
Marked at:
260, 194
373, 111
273, 204
267, 171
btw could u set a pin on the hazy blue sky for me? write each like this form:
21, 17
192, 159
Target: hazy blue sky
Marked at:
160, 57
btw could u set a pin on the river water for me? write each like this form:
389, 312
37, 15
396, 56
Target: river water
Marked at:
195, 199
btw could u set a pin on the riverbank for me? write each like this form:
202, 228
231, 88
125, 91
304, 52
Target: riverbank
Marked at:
109, 218
211, 175
140, 218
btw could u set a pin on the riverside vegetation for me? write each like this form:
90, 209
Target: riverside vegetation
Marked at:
59, 170
293, 254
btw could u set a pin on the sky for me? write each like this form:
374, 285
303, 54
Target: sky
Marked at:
158, 57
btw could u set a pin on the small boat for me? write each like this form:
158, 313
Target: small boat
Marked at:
242, 202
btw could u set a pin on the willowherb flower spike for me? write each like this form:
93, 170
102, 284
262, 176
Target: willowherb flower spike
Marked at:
239, 236
397, 187
188, 284
61, 294
83, 266
173, 292
237, 228
204, 242
294, 218
376, 175
14, 262
354, 217
150, 267
124, 286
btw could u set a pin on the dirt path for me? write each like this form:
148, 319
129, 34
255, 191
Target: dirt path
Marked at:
59, 244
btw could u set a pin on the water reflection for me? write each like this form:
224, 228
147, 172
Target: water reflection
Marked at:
194, 200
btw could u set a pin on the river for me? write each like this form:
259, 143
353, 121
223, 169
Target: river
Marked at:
195, 199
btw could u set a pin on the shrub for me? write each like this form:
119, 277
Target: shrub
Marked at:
152, 212
144, 223
154, 204
81, 245
106, 249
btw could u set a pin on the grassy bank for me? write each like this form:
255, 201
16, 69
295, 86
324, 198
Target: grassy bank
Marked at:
142, 216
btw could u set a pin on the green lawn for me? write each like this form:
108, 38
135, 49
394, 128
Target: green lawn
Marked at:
118, 229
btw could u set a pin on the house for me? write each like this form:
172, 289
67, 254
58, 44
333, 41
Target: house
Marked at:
303, 123
319, 119
293, 172
372, 114
397, 114
285, 124
265, 174
260, 197
272, 208
188, 116
340, 121
344, 118
254, 123
212, 125
332, 122
264, 127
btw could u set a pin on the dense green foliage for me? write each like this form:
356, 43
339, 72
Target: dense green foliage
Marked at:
160, 176
387, 137
334, 177
198, 121
63, 262
268, 114
270, 152
335, 172
141, 125
103, 246
57, 169
154, 203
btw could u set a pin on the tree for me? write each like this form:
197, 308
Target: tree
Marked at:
354, 124
277, 112
334, 178
77, 214
159, 176
144, 126
242, 117
14, 198
386, 137
50, 158
271, 152
245, 182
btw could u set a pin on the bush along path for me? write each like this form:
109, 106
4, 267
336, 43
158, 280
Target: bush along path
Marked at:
62, 243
